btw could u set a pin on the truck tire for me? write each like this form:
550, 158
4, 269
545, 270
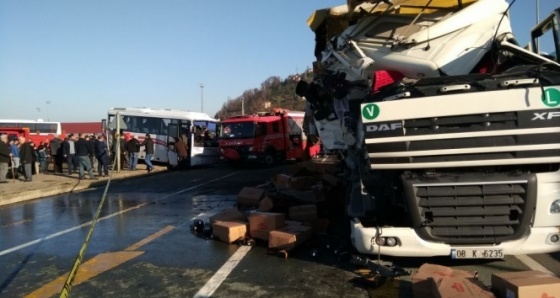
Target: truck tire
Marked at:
269, 158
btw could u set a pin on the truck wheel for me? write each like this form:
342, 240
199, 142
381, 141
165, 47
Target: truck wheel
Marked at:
269, 158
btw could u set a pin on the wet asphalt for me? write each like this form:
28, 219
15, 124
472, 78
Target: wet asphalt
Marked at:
39, 241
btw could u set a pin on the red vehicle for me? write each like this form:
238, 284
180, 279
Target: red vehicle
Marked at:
15, 132
266, 137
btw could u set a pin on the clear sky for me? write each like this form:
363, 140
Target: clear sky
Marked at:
70, 60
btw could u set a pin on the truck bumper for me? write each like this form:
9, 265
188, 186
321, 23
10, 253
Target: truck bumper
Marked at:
538, 240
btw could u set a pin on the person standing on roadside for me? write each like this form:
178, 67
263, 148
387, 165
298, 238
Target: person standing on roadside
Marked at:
149, 148
102, 155
26, 158
14, 149
83, 153
5, 155
133, 148
70, 153
54, 144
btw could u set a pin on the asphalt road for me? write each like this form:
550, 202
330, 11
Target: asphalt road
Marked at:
143, 246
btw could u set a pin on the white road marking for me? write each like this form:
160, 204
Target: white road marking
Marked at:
533, 265
27, 244
212, 285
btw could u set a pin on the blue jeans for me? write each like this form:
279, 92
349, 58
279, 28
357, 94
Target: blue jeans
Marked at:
133, 159
148, 161
71, 160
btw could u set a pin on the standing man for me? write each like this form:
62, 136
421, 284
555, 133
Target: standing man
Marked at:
14, 149
102, 154
133, 147
149, 148
83, 153
53, 151
70, 153
26, 158
5, 155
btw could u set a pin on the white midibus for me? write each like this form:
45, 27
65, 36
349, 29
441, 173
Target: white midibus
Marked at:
166, 126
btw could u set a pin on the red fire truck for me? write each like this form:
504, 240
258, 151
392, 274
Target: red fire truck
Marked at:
266, 137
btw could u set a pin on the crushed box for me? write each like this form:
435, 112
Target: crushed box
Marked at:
524, 284
250, 196
266, 204
231, 214
459, 287
421, 279
229, 231
289, 237
261, 223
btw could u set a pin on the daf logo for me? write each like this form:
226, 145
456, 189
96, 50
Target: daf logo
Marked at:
383, 127
545, 116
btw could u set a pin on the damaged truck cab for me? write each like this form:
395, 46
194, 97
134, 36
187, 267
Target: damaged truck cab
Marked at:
450, 131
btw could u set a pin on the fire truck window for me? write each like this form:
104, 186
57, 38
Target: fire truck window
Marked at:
275, 127
261, 130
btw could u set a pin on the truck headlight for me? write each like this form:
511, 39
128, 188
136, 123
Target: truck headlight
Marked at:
555, 207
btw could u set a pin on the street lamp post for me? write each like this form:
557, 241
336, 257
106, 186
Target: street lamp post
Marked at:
202, 98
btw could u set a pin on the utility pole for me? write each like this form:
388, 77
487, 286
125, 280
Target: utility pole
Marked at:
202, 98
242, 105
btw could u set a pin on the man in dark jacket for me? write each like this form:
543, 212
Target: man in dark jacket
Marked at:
54, 148
102, 155
5, 155
83, 152
149, 148
133, 147
26, 158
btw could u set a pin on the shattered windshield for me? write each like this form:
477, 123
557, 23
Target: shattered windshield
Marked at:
237, 130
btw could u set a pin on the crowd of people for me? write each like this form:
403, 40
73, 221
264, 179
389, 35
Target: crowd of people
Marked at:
83, 153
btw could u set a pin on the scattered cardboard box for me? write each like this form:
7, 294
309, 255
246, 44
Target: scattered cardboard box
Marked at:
421, 279
281, 181
250, 197
231, 214
261, 223
303, 212
525, 284
229, 231
266, 204
289, 237
459, 287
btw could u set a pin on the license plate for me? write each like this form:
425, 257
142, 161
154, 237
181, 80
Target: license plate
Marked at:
476, 253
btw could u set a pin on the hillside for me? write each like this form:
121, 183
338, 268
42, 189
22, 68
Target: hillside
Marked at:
273, 93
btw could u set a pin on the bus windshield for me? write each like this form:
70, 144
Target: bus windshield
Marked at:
237, 130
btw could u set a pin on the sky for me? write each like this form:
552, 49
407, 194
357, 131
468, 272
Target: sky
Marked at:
71, 60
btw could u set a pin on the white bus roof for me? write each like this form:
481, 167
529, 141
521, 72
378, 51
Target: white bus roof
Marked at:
170, 113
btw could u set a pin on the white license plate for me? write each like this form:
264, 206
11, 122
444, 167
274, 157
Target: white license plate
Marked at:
476, 253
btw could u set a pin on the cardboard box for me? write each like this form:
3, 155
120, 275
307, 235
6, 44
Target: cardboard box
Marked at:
289, 237
229, 231
261, 223
250, 196
421, 279
266, 204
459, 287
524, 284
231, 214
281, 181
303, 212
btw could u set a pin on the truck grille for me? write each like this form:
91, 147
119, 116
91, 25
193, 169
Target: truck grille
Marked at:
472, 212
